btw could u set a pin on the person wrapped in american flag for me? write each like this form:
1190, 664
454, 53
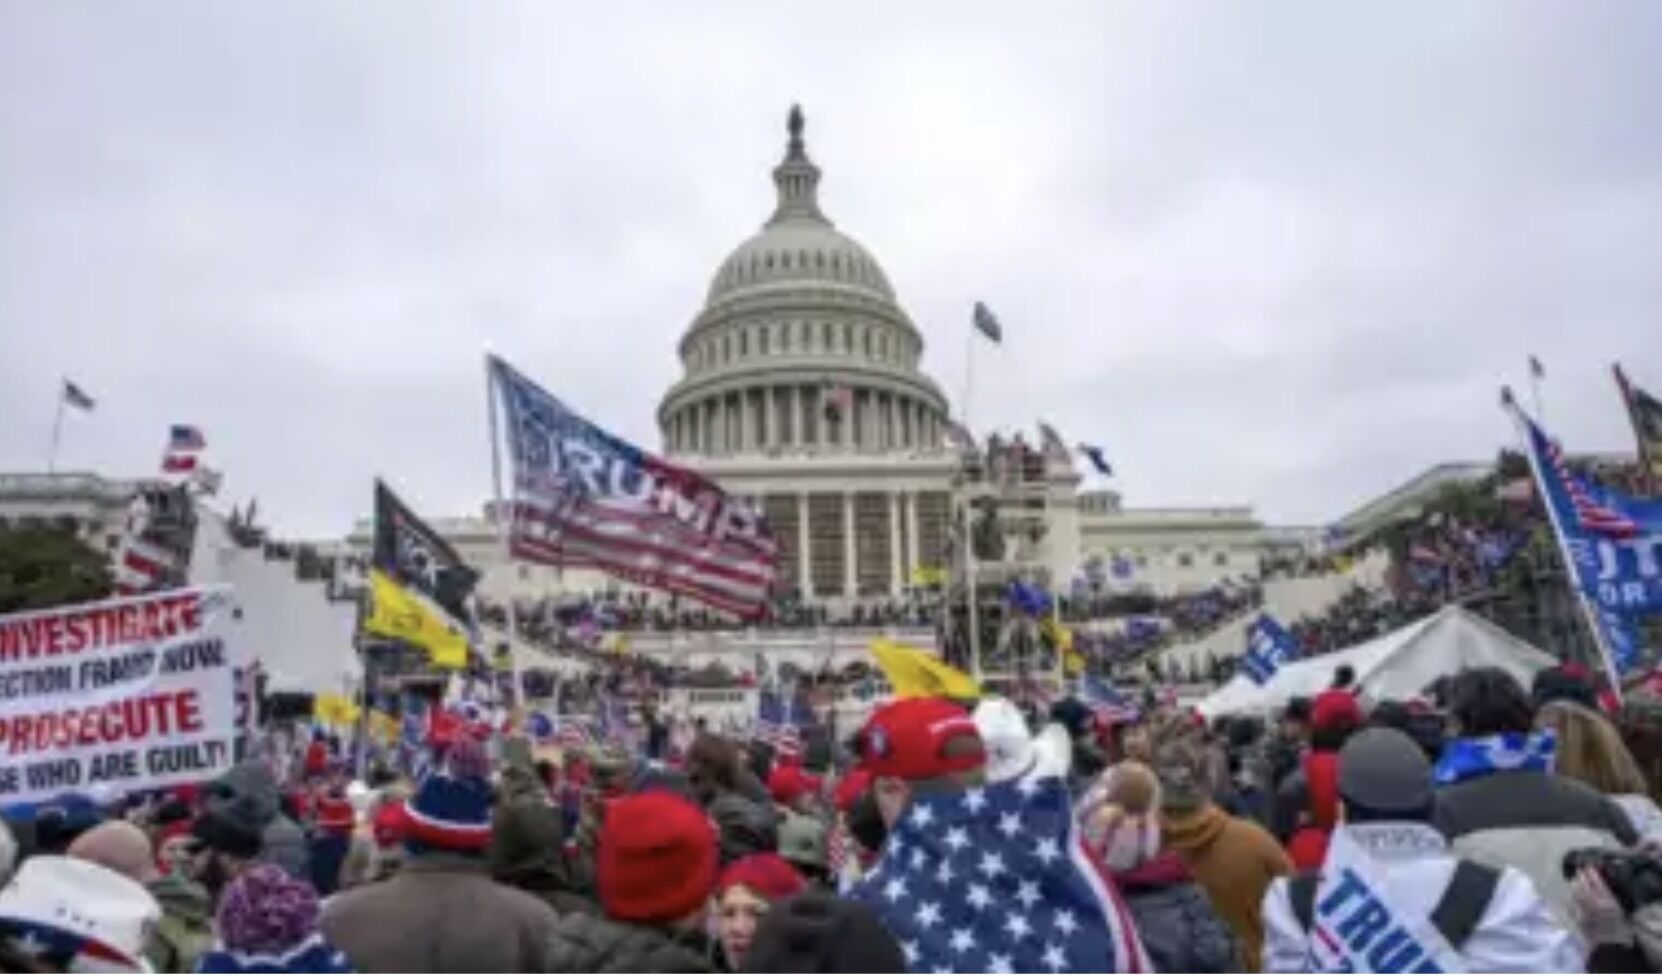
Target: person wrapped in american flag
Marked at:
979, 876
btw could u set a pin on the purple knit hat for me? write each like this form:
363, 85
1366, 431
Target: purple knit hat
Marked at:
268, 911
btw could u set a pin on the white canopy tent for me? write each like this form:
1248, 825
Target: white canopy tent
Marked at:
1396, 665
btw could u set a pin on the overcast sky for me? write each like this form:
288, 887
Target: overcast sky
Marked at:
1275, 254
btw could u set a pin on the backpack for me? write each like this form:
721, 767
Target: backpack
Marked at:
1455, 915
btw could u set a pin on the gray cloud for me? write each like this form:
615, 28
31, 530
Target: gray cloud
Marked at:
1281, 255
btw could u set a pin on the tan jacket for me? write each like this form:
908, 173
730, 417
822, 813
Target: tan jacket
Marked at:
440, 914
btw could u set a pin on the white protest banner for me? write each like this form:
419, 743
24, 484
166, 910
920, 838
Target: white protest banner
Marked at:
1364, 922
125, 694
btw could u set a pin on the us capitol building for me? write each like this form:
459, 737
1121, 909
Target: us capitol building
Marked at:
803, 390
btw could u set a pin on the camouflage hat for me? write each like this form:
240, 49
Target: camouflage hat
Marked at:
802, 840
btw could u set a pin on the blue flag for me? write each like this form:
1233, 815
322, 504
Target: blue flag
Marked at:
1614, 544
1269, 646
1098, 459
994, 879
1029, 598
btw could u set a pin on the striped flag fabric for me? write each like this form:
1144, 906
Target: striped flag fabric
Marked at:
776, 724
1591, 513
1107, 704
156, 538
184, 443
584, 498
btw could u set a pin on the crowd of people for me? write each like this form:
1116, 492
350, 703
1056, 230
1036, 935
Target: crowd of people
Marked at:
1521, 826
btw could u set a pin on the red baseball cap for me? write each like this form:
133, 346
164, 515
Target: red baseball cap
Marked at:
908, 739
787, 782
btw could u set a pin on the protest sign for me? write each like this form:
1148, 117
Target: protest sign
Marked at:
120, 695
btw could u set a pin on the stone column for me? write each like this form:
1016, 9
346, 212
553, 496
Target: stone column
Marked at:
851, 577
896, 577
770, 401
749, 428
804, 566
799, 398
912, 530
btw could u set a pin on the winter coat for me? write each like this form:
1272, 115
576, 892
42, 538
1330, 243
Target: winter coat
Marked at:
186, 928
528, 839
1233, 860
1529, 820
440, 914
283, 843
1517, 932
1178, 926
590, 944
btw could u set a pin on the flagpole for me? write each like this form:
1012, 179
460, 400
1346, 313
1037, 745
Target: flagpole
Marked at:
1572, 574
1645, 461
57, 429
972, 612
491, 408
1535, 372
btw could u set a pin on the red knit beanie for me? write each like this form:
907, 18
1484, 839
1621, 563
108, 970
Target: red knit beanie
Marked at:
657, 859
768, 875
787, 782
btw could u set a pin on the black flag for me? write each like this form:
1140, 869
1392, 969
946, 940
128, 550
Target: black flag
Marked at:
408, 550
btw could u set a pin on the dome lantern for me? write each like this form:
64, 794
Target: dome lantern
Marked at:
797, 178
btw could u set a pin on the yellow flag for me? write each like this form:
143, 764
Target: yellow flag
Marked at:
918, 674
1073, 663
335, 711
397, 613
928, 576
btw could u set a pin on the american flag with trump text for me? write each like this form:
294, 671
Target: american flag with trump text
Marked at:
582, 497
995, 879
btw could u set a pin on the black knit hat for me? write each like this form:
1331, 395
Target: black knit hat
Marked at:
819, 933
229, 827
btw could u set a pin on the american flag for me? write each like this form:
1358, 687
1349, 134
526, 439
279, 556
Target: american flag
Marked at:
585, 498
1593, 514
184, 443
776, 724
573, 734
152, 554
1106, 702
995, 879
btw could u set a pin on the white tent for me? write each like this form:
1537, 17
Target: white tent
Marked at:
1396, 665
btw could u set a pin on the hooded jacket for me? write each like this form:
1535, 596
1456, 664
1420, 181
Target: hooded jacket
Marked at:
589, 944
1178, 926
186, 928
1517, 932
283, 842
1233, 860
528, 839
1529, 820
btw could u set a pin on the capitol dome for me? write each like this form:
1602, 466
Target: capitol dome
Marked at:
801, 346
